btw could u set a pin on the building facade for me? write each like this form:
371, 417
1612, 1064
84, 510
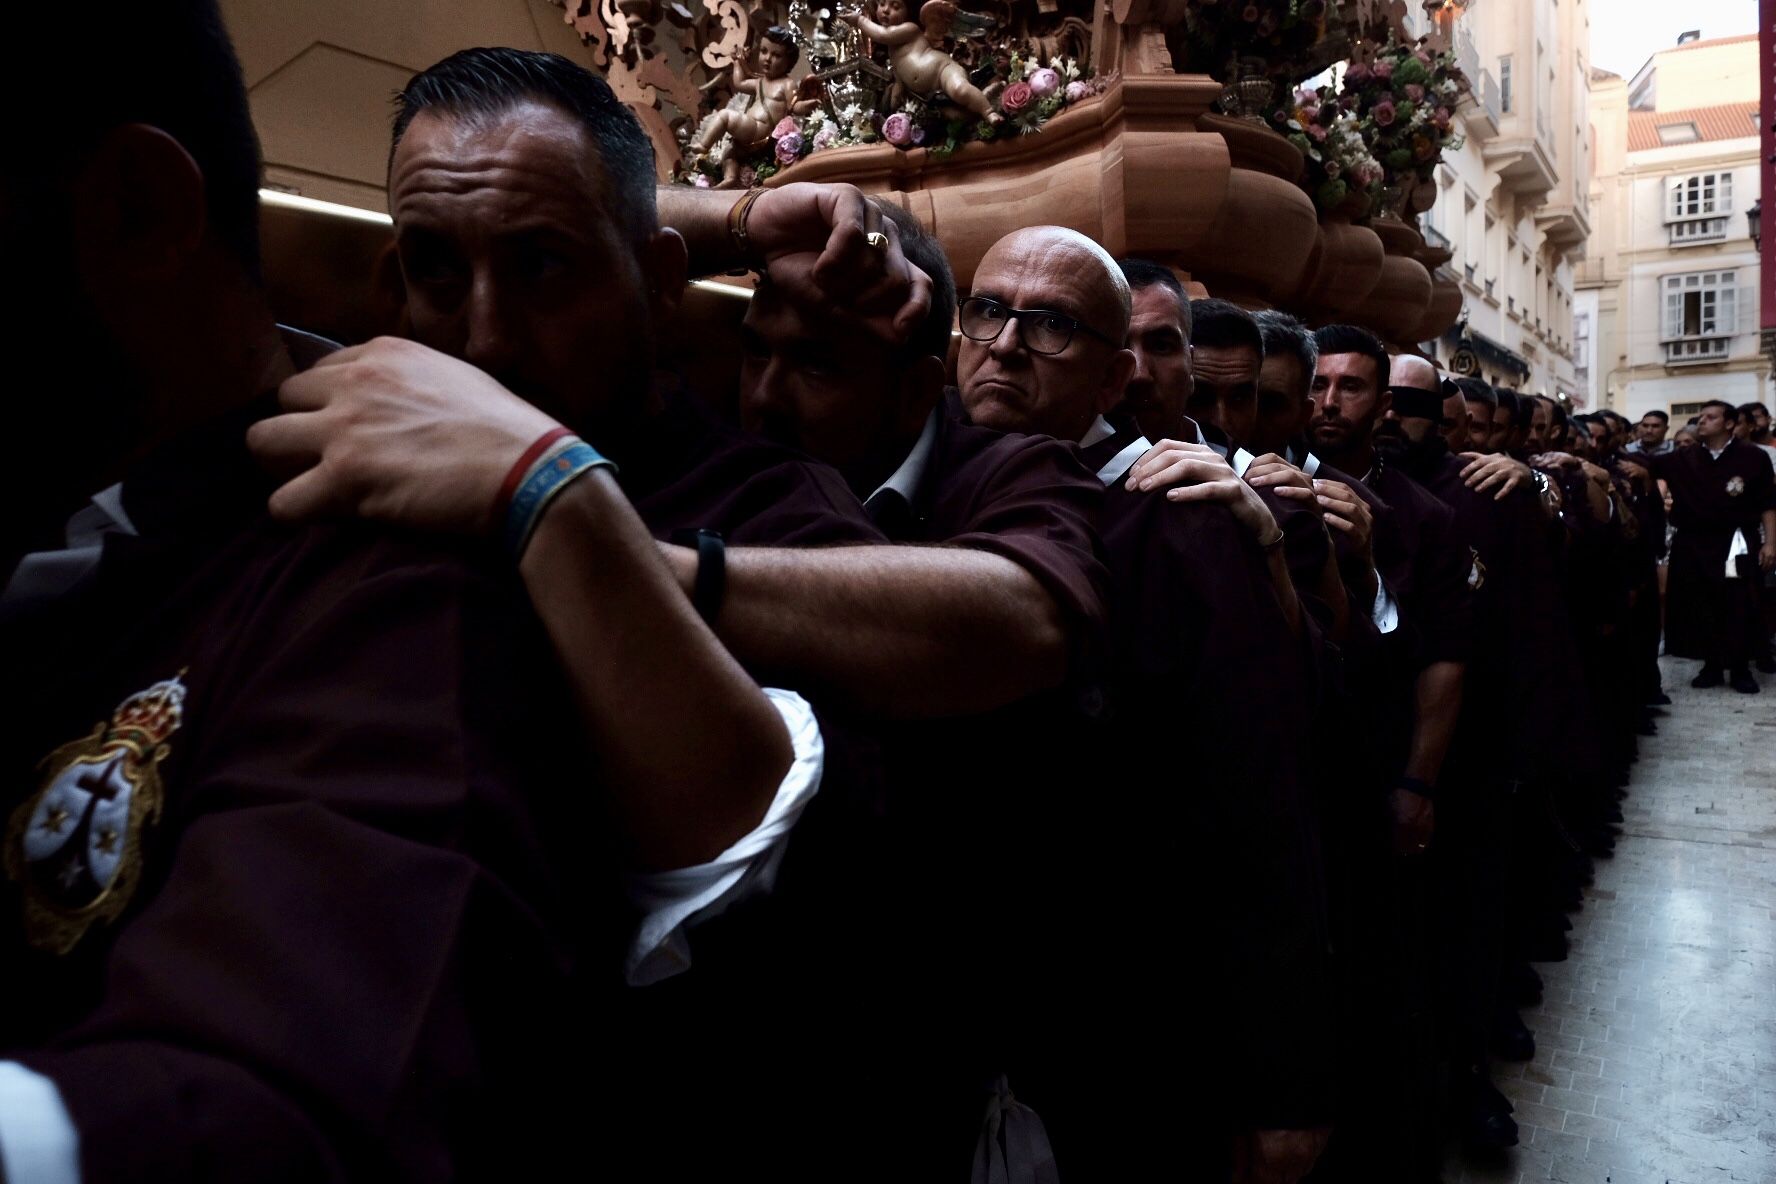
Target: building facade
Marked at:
1513, 201
1669, 287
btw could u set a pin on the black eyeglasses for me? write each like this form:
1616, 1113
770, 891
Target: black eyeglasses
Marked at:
1041, 331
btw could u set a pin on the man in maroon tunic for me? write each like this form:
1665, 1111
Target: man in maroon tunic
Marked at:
1198, 645
1721, 494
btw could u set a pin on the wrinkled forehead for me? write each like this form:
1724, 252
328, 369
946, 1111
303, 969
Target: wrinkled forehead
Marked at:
530, 161
1227, 363
1047, 268
1353, 366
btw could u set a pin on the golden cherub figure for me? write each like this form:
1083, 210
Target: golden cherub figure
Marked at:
920, 68
773, 97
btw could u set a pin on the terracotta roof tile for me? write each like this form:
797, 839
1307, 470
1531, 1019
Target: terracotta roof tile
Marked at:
1727, 121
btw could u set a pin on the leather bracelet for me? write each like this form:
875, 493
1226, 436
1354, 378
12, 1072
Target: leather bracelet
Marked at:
710, 587
737, 229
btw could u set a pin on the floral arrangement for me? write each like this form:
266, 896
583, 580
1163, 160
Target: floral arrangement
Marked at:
1219, 32
1405, 101
1026, 92
1341, 174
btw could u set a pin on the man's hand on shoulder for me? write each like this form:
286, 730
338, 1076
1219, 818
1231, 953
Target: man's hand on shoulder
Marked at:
1271, 471
1497, 471
1197, 473
397, 432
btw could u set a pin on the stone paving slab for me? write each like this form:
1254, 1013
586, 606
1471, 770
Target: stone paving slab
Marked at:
1656, 1038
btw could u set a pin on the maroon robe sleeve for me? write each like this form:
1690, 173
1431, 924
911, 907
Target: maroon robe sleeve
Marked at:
345, 943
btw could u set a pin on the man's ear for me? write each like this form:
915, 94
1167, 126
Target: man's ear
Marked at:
139, 203
664, 264
1117, 373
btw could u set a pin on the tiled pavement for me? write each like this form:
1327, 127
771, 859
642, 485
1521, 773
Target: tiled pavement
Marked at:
1656, 1038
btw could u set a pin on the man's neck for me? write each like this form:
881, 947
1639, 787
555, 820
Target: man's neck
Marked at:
1716, 443
1358, 460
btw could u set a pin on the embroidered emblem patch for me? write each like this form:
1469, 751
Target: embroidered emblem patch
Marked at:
75, 846
1735, 486
1476, 573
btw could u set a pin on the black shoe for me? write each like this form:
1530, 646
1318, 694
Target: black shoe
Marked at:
1659, 699
1744, 683
1710, 677
1766, 665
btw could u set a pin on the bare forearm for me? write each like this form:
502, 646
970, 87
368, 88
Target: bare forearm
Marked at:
701, 218
904, 632
690, 750
1438, 698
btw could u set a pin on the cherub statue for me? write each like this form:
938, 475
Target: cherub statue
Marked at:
920, 68
773, 97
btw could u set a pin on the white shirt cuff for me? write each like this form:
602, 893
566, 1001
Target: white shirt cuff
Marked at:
1384, 612
38, 1142
672, 901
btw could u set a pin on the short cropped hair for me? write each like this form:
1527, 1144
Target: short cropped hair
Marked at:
1220, 324
480, 83
1284, 336
1352, 339
1507, 398
1747, 410
1732, 411
174, 70
1661, 416
927, 254
1142, 274
1476, 391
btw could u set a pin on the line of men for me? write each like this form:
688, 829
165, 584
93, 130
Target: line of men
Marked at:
1085, 767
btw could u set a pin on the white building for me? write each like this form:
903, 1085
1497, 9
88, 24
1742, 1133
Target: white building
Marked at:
1670, 283
1513, 200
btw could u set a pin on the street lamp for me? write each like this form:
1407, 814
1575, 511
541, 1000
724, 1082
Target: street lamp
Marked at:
1755, 216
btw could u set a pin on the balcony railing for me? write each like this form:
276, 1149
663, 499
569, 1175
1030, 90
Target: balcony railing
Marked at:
1686, 350
1486, 89
1465, 55
1697, 230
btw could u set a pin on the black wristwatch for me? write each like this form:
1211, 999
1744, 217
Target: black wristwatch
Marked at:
711, 584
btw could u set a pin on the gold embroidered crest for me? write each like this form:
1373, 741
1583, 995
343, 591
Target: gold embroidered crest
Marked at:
75, 846
1735, 486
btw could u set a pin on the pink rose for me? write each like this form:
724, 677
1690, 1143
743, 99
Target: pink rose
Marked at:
1415, 92
918, 133
897, 129
825, 137
1017, 96
1317, 132
1077, 91
1309, 114
784, 127
748, 177
1440, 117
1358, 73
789, 148
1383, 114
1044, 83
1382, 71
1333, 168
702, 181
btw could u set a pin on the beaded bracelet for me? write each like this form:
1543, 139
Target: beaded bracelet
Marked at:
561, 459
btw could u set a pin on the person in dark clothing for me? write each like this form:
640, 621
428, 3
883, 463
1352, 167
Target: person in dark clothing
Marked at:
309, 891
1721, 494
1193, 624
